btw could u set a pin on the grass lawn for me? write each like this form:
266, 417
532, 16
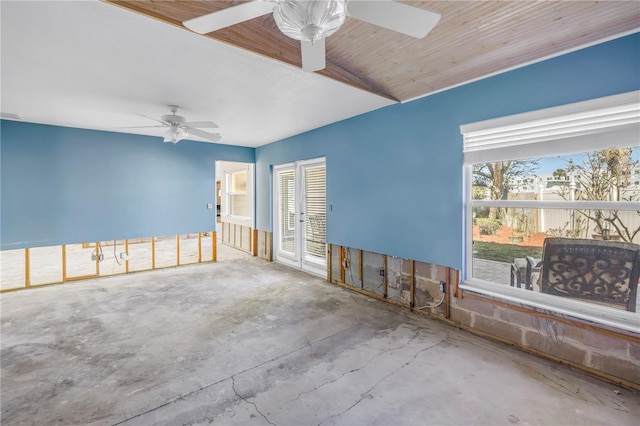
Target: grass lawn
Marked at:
503, 252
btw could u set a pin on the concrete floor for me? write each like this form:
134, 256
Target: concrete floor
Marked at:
249, 342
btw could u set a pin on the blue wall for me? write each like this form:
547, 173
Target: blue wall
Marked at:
64, 185
394, 176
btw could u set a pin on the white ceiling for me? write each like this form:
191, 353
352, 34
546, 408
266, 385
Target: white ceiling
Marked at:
92, 65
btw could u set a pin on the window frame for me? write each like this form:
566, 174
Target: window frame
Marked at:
554, 305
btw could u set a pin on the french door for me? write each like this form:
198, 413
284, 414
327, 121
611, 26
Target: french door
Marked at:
300, 215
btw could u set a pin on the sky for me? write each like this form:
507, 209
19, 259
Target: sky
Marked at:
548, 165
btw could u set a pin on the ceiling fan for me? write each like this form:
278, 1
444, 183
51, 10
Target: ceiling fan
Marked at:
311, 21
179, 128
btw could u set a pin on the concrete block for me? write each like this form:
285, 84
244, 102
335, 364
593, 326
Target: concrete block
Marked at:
335, 262
634, 352
476, 306
352, 273
615, 366
591, 339
552, 346
519, 318
371, 265
461, 316
510, 332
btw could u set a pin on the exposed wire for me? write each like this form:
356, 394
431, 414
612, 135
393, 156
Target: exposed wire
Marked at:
349, 263
433, 306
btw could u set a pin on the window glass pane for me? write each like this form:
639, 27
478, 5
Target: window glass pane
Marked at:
239, 182
315, 211
607, 175
594, 263
238, 205
287, 211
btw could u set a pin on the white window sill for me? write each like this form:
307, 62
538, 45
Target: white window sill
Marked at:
608, 317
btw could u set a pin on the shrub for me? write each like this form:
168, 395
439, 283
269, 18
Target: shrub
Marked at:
488, 226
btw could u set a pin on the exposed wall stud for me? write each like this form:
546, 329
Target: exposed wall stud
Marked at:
447, 291
178, 250
214, 247
342, 256
384, 279
328, 262
153, 252
199, 247
27, 268
412, 284
97, 259
126, 262
64, 262
264, 244
360, 270
255, 242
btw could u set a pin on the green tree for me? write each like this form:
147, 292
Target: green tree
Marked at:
605, 176
499, 178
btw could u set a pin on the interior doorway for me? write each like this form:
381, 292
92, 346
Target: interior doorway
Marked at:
300, 215
235, 210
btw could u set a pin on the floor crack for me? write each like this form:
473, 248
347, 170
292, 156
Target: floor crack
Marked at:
189, 394
233, 386
362, 395
356, 369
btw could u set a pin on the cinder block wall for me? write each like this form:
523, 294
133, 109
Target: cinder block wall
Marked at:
611, 354
614, 354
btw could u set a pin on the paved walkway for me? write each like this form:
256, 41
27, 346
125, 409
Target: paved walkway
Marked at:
490, 270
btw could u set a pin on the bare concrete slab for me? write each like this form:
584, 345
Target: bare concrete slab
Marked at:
249, 342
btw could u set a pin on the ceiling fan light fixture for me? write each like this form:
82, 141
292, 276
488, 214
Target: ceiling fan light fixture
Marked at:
176, 134
309, 20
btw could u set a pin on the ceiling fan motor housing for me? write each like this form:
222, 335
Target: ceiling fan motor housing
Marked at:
173, 119
309, 20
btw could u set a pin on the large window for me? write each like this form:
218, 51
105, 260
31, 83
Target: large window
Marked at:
562, 180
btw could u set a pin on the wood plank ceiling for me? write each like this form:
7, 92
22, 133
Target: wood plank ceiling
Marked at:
472, 39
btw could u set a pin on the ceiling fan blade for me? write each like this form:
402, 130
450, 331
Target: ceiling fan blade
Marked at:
313, 55
204, 124
164, 123
213, 137
141, 127
402, 18
227, 17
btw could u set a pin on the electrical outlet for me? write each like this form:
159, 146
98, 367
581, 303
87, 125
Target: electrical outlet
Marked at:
442, 287
101, 257
345, 263
124, 255
381, 272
